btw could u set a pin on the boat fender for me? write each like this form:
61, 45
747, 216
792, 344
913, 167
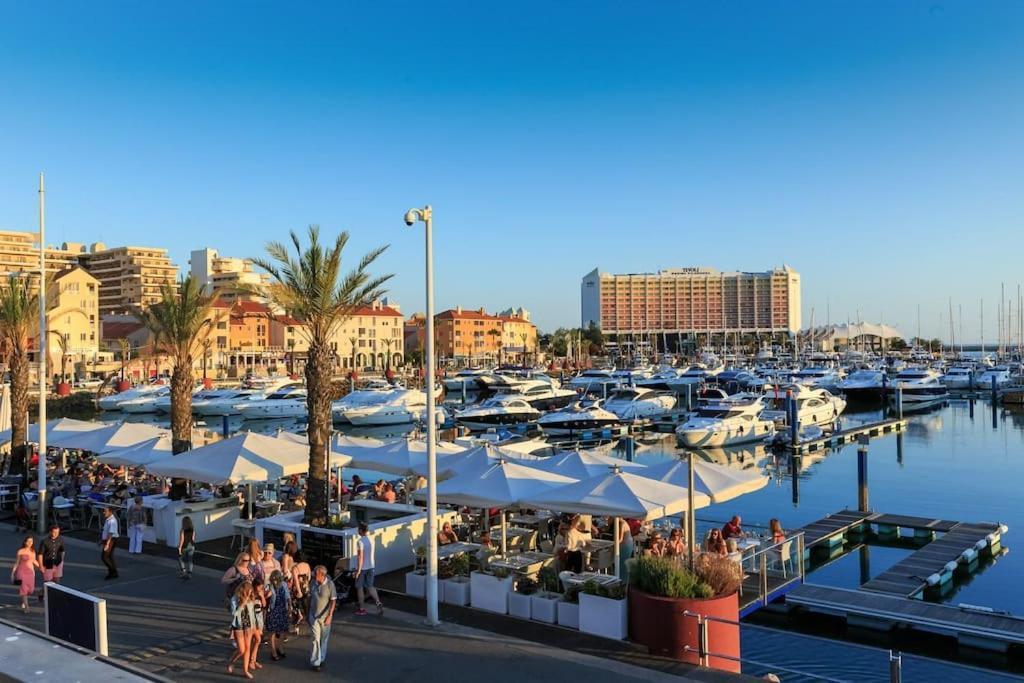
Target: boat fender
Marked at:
969, 555
950, 566
980, 545
933, 580
1003, 528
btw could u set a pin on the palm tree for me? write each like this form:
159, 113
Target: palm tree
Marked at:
63, 343
126, 348
180, 322
207, 344
19, 320
495, 333
524, 337
309, 285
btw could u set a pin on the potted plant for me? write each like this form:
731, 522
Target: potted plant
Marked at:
544, 603
519, 599
416, 580
662, 589
489, 590
603, 610
455, 589
569, 607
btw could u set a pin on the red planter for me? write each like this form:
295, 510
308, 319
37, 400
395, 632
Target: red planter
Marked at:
123, 385
63, 388
207, 383
659, 624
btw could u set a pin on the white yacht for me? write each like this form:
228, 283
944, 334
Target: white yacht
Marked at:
374, 392
579, 416
288, 401
863, 384
224, 401
1000, 373
634, 403
405, 409
695, 374
544, 394
818, 378
593, 380
659, 380
466, 378
630, 376
727, 422
148, 403
114, 401
814, 406
959, 377
505, 409
920, 387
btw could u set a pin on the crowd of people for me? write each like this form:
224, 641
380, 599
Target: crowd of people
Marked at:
270, 594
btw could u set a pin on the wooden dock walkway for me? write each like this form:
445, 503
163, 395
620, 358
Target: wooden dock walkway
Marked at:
974, 628
833, 526
849, 435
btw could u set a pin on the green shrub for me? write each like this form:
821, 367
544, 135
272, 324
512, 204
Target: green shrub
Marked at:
459, 565
572, 593
669, 578
548, 578
526, 586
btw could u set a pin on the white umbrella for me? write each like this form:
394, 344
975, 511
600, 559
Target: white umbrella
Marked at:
720, 483
404, 457
338, 459
478, 459
108, 437
619, 494
582, 464
244, 458
503, 484
55, 428
140, 454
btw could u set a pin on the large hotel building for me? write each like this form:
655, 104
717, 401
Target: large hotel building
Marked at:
686, 302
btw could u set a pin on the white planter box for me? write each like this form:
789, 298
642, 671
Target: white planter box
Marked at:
519, 605
603, 616
489, 593
544, 607
416, 584
568, 614
455, 591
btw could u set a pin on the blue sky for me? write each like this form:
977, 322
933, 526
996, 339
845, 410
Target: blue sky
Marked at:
875, 147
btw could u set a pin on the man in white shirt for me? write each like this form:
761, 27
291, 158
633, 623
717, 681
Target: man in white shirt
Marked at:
108, 541
364, 571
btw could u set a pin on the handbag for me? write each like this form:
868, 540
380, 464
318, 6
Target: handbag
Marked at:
15, 581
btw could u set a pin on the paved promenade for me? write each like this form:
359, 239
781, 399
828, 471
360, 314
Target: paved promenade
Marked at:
178, 630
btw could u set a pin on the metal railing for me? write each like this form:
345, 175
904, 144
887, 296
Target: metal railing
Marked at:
704, 653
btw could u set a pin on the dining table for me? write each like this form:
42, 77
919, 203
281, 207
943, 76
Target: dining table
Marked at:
452, 549
523, 563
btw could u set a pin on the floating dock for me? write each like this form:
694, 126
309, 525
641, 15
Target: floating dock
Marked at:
840, 437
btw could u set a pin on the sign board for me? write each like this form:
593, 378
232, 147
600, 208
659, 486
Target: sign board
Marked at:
76, 617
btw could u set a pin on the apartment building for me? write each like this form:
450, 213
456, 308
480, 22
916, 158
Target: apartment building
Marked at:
229, 277
471, 335
72, 323
686, 302
130, 277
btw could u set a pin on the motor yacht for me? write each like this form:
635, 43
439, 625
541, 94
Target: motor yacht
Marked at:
544, 394
999, 373
659, 380
288, 401
735, 381
693, 375
464, 379
919, 387
864, 384
374, 392
727, 422
814, 406
818, 378
504, 409
580, 416
593, 380
959, 377
633, 403
114, 401
146, 404
406, 409
223, 401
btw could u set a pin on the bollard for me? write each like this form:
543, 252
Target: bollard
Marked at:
224, 426
899, 400
630, 448
604, 388
862, 479
895, 667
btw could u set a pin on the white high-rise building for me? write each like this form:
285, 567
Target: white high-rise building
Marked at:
230, 277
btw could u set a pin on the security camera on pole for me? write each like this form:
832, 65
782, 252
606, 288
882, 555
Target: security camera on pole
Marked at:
412, 216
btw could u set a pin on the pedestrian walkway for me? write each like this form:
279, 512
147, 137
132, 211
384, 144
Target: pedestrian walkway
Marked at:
178, 629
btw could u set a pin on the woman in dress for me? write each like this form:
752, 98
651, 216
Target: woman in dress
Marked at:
302, 574
23, 572
186, 547
256, 562
288, 559
716, 544
278, 613
241, 627
259, 608
775, 528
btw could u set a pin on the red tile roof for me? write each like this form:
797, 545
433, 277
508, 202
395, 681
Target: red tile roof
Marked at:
370, 311
119, 330
454, 314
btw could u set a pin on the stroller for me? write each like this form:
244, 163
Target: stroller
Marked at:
344, 581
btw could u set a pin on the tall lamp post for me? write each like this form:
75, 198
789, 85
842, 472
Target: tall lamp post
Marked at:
413, 216
41, 484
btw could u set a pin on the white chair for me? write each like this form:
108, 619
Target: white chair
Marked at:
783, 556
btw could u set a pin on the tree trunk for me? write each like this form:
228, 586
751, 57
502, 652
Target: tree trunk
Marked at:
318, 402
19, 396
181, 408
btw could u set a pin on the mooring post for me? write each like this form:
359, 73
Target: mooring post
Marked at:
224, 426
463, 392
994, 391
865, 563
604, 388
630, 448
899, 448
895, 667
899, 400
791, 413
862, 478
794, 475
689, 399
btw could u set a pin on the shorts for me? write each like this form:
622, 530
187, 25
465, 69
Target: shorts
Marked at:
53, 572
365, 579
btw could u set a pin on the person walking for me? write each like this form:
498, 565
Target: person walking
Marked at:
240, 607
278, 613
186, 547
136, 526
364, 571
322, 598
108, 542
23, 573
50, 557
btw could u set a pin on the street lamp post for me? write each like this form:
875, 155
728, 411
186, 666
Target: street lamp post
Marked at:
41, 483
413, 216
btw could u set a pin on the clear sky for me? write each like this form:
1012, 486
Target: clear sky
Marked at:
878, 148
